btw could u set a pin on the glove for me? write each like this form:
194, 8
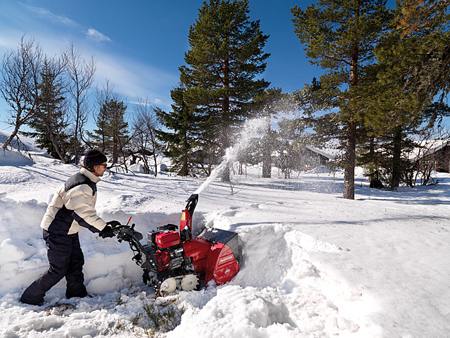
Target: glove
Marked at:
107, 232
113, 223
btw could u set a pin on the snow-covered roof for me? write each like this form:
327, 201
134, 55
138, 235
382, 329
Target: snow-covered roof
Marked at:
320, 152
435, 146
428, 147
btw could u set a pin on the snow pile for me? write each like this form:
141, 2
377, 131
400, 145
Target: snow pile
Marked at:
314, 264
13, 158
25, 142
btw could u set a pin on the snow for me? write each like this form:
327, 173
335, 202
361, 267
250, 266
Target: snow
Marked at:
314, 264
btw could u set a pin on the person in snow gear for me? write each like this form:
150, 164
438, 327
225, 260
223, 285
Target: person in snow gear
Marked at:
71, 209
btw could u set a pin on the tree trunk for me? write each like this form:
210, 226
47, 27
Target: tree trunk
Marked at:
267, 165
75, 137
350, 156
396, 158
225, 118
267, 155
55, 143
349, 175
226, 173
10, 138
154, 152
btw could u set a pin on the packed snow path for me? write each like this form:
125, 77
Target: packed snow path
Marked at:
314, 265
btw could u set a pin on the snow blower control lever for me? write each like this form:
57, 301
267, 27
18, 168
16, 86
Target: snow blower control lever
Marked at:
186, 218
175, 260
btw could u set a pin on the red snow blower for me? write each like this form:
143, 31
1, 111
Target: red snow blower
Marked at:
175, 260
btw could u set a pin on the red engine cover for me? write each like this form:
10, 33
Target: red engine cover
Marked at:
163, 259
167, 239
198, 251
221, 265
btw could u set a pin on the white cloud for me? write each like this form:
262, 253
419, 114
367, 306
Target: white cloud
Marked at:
96, 35
150, 103
134, 79
59, 19
62, 19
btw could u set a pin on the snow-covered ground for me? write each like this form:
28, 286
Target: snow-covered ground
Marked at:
314, 264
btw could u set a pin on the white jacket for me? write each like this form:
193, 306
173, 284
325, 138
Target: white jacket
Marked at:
73, 206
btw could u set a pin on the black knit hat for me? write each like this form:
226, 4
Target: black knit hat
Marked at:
93, 157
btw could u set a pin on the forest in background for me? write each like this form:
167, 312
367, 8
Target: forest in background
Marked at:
382, 96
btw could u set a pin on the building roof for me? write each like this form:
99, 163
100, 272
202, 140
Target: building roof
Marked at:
320, 152
430, 147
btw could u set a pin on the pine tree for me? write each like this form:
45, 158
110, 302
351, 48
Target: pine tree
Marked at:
425, 37
111, 134
50, 118
340, 37
222, 69
181, 138
410, 64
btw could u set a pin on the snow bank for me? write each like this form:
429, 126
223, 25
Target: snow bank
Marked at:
13, 158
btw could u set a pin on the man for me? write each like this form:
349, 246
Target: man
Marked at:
71, 209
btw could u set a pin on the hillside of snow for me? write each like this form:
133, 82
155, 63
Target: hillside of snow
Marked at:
314, 264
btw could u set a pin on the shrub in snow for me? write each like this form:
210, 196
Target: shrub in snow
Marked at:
137, 168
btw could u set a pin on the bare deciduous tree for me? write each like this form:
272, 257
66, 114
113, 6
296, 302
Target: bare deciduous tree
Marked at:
81, 76
20, 79
144, 126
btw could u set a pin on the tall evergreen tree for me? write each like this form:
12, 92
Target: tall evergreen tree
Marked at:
424, 26
222, 68
50, 118
180, 139
111, 134
412, 69
340, 37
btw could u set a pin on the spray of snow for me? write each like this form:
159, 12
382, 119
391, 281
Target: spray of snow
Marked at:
252, 128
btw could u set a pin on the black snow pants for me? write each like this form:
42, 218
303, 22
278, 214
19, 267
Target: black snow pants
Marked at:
66, 260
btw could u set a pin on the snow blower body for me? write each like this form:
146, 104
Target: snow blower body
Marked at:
173, 259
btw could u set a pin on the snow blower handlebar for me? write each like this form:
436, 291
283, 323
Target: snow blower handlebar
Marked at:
192, 203
128, 234
186, 218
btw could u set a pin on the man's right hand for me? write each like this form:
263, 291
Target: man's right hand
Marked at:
113, 223
107, 232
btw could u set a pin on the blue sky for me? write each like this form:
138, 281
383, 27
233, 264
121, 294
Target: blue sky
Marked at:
139, 44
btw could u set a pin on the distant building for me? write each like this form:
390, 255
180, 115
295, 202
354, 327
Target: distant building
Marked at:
437, 157
315, 157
